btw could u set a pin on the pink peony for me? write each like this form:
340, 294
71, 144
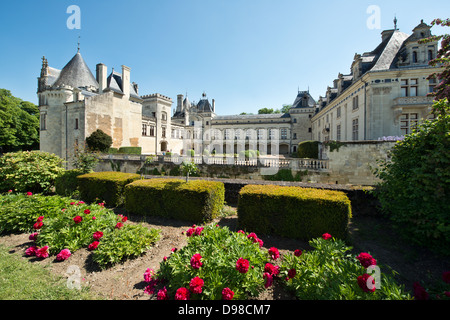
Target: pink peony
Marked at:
269, 279
29, 193
227, 294
298, 253
63, 255
78, 219
326, 236
87, 211
274, 253
362, 283
97, 235
366, 259
42, 252
270, 268
148, 274
93, 245
31, 251
195, 261
242, 265
419, 292
196, 285
162, 294
119, 225
33, 236
182, 294
292, 273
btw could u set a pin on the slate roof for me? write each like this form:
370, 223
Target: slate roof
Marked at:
298, 103
389, 52
253, 116
76, 74
114, 83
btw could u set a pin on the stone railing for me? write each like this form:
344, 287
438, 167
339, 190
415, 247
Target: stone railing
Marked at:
261, 162
415, 100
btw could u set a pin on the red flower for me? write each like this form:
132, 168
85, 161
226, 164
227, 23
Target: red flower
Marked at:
190, 232
419, 292
33, 236
362, 282
242, 265
122, 218
297, 252
274, 253
195, 261
97, 235
87, 211
446, 276
119, 225
270, 268
93, 245
326, 236
182, 294
198, 231
78, 219
31, 251
196, 285
227, 294
38, 225
162, 294
255, 239
366, 259
72, 203
42, 252
63, 255
269, 279
40, 219
292, 273
29, 193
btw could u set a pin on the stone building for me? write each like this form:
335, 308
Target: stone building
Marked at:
385, 93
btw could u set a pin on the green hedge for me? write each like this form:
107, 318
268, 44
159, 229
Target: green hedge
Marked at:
197, 201
66, 183
293, 212
130, 150
308, 149
105, 186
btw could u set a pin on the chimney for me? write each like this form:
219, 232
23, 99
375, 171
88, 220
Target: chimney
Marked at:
386, 34
101, 77
213, 105
179, 103
126, 81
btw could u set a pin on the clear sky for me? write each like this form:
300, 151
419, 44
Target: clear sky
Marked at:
245, 54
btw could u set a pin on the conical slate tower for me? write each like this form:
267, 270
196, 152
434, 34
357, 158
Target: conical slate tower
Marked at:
76, 74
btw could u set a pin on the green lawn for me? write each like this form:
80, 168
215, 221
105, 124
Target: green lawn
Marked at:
22, 280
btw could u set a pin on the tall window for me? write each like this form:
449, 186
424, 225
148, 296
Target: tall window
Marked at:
355, 101
338, 132
355, 129
283, 133
430, 55
338, 112
431, 84
43, 121
152, 131
144, 129
163, 133
409, 87
76, 124
408, 121
414, 57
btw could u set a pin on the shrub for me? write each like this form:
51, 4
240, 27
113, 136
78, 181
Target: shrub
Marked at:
66, 183
33, 171
295, 212
415, 185
329, 272
19, 211
105, 186
308, 149
99, 141
215, 264
74, 227
130, 150
196, 201
129, 241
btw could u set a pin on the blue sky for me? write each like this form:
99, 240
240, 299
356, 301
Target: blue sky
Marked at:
245, 54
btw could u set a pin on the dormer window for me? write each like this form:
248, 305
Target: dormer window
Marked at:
430, 55
414, 57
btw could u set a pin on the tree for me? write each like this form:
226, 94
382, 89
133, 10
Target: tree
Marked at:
19, 123
265, 111
285, 108
99, 141
442, 90
188, 168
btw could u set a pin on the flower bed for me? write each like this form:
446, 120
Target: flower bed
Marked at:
63, 226
219, 264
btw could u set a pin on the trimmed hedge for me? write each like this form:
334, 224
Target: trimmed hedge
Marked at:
197, 201
130, 150
66, 183
308, 149
293, 212
105, 186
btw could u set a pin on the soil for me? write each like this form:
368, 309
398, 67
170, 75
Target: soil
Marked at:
125, 281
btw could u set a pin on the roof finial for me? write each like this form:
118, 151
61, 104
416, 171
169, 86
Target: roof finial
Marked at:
395, 22
78, 50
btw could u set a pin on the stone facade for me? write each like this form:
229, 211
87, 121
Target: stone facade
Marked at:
385, 93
